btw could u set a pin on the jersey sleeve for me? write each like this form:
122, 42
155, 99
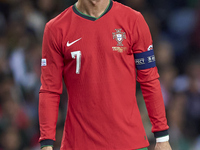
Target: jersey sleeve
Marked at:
51, 88
147, 76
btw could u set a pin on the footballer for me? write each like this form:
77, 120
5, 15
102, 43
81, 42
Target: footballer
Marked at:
100, 48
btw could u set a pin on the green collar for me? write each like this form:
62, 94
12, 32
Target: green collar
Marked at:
75, 9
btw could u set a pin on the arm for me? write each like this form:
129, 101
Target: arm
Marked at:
154, 101
155, 106
47, 148
49, 96
163, 146
147, 76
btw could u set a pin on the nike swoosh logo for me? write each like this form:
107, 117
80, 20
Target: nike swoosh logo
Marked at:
70, 44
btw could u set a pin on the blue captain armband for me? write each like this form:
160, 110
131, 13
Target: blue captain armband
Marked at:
145, 60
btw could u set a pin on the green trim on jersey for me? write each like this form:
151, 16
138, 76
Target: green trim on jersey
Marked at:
104, 11
83, 13
78, 12
163, 136
143, 148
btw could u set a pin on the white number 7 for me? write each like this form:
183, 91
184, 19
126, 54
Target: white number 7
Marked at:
77, 55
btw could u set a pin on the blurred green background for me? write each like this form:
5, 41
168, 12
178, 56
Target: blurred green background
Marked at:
175, 27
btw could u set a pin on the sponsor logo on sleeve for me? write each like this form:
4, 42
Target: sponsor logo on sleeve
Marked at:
150, 48
43, 62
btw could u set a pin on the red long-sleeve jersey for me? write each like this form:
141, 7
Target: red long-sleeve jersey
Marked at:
97, 58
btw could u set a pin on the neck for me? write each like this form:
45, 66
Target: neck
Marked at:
94, 8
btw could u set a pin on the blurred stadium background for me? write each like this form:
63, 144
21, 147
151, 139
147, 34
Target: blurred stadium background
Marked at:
175, 27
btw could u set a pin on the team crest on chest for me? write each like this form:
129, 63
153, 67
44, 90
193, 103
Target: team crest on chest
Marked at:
119, 36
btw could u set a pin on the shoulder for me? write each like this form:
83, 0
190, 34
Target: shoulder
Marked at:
126, 15
60, 19
125, 10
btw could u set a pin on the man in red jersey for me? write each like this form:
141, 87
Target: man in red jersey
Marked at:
96, 46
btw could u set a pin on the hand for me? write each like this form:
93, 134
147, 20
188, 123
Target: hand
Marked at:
47, 148
163, 146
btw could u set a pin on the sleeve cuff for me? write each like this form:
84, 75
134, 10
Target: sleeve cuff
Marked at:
162, 139
45, 143
161, 134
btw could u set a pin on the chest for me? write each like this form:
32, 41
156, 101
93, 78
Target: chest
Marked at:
95, 39
96, 45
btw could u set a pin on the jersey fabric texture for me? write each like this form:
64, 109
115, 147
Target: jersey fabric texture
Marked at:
95, 57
